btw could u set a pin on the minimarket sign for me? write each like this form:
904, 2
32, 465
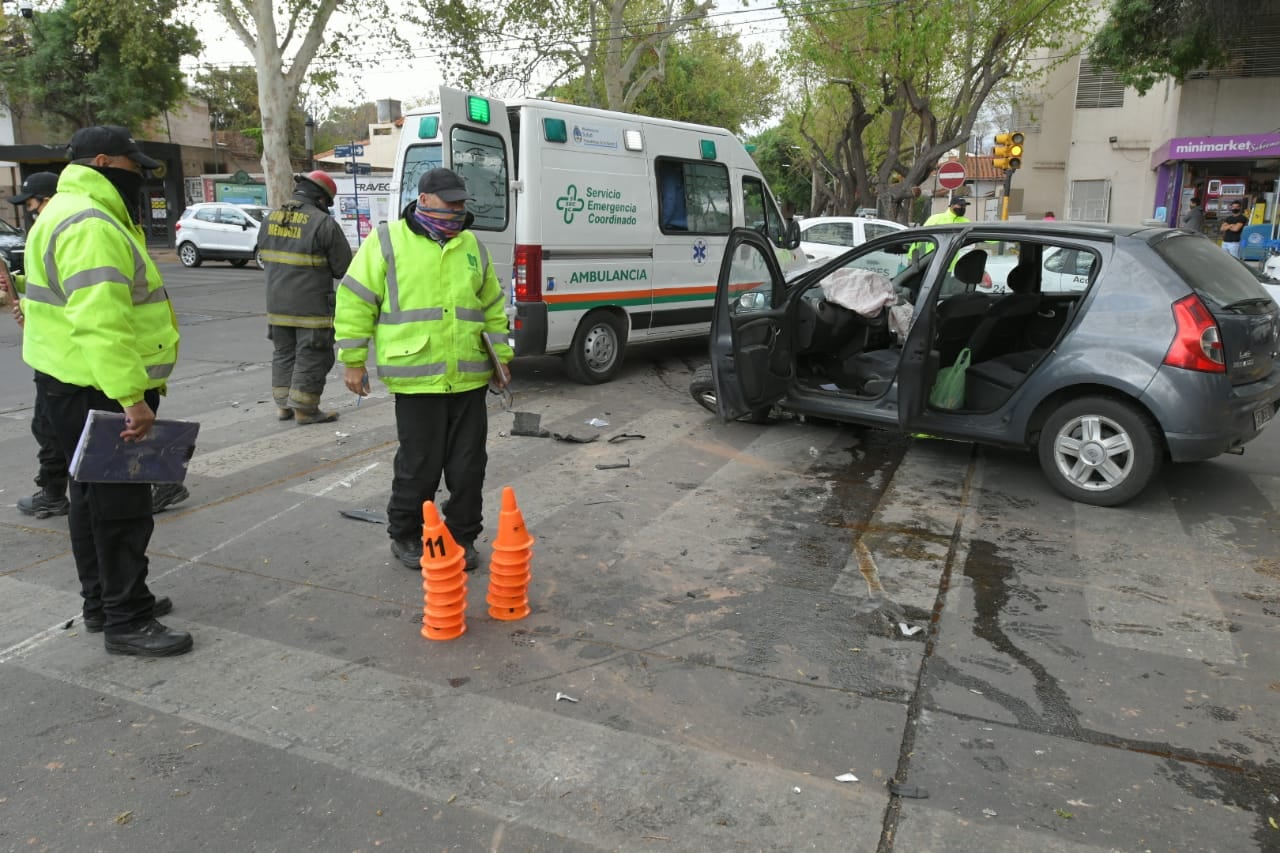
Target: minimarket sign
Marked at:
1240, 146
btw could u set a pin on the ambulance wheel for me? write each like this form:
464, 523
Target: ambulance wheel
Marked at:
189, 255
598, 346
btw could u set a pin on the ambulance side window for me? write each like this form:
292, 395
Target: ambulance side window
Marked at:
480, 159
762, 214
693, 197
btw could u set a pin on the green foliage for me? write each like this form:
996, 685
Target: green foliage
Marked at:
616, 47
1145, 41
889, 88
105, 62
782, 155
708, 78
346, 124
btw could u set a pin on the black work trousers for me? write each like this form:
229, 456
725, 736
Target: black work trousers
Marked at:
51, 475
110, 523
299, 366
439, 434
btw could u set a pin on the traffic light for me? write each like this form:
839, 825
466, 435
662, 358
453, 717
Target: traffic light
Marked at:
1008, 151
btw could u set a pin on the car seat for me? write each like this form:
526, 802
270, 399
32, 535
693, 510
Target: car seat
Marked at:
958, 314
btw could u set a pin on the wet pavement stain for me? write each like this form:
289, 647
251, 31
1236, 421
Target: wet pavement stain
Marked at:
990, 576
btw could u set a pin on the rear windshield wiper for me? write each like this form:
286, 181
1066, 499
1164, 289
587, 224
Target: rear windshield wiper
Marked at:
1252, 300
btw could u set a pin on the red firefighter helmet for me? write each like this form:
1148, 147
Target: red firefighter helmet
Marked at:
322, 180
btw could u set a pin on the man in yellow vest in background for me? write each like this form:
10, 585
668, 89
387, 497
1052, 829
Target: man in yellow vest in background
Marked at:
954, 213
422, 290
101, 334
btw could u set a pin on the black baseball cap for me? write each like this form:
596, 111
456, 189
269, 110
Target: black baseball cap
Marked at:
110, 139
444, 183
38, 185
961, 202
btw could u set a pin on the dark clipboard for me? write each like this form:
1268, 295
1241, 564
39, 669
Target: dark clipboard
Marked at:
494, 360
102, 456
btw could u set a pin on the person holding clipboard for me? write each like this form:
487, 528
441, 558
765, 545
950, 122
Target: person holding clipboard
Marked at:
101, 334
423, 291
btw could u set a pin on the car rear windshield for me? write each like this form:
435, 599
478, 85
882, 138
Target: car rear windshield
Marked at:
1210, 271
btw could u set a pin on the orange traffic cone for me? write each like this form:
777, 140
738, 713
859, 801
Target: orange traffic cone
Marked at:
444, 582
509, 565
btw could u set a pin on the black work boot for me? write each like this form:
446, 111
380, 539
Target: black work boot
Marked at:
149, 639
44, 503
408, 552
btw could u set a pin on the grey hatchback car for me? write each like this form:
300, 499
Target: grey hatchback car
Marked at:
1168, 352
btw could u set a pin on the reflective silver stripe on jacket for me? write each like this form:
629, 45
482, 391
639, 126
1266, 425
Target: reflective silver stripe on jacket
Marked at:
496, 337
389, 258
353, 343
159, 371
407, 371
361, 292
413, 315
471, 315
474, 367
140, 291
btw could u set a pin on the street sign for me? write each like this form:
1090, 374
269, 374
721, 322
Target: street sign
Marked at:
342, 151
951, 175
359, 168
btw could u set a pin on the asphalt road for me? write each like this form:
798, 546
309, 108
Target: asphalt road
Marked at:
742, 614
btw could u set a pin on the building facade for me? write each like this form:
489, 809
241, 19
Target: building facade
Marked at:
1098, 151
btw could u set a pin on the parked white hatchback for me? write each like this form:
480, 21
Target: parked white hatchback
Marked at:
823, 237
217, 231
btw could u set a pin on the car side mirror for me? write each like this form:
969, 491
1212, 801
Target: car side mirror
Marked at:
244, 225
752, 300
792, 238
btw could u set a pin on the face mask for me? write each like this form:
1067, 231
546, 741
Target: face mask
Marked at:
442, 223
127, 183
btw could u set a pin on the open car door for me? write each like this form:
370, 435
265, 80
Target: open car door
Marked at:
751, 358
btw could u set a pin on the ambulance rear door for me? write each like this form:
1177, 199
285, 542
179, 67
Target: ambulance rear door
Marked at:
476, 137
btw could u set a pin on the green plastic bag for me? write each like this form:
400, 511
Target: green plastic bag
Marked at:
948, 388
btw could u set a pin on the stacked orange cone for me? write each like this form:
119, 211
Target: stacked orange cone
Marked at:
444, 581
509, 575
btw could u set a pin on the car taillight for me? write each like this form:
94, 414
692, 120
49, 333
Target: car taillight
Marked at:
177, 226
528, 273
1197, 342
986, 283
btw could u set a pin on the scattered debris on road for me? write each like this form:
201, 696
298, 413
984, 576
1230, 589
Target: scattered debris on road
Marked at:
607, 466
846, 777
564, 697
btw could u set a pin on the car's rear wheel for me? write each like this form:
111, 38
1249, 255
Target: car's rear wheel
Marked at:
702, 387
1099, 450
189, 255
239, 262
595, 355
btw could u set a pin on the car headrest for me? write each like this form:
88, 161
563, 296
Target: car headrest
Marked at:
1019, 280
970, 266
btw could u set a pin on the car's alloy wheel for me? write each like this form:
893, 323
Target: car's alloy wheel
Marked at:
189, 255
1099, 450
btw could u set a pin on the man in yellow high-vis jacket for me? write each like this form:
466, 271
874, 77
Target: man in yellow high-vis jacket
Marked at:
101, 334
423, 292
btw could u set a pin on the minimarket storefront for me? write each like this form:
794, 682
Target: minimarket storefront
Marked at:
1218, 170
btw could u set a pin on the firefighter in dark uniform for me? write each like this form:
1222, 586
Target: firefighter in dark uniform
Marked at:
304, 252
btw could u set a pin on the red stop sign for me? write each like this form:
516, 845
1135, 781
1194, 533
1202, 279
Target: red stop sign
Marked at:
951, 175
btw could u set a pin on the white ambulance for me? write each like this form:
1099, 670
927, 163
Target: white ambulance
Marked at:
609, 227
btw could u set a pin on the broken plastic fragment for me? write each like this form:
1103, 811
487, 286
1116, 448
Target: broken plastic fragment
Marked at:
914, 792
565, 697
909, 630
796, 789
846, 777
989, 812
597, 422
